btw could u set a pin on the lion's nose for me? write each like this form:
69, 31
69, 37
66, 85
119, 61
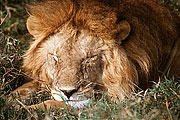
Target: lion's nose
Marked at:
69, 93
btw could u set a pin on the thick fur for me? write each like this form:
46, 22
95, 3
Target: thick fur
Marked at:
134, 43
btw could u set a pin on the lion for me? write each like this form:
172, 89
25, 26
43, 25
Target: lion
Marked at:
89, 47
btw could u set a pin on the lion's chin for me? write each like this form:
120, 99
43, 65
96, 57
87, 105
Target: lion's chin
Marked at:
78, 104
73, 101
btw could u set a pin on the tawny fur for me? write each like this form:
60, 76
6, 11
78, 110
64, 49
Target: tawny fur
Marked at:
133, 41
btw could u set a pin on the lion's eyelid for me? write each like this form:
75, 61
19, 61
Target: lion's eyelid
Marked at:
55, 58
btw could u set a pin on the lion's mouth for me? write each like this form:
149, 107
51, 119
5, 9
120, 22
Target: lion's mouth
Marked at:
74, 100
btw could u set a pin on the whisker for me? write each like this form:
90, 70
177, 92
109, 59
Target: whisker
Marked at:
88, 85
86, 90
80, 81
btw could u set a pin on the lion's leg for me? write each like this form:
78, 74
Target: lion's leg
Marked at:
49, 104
23, 92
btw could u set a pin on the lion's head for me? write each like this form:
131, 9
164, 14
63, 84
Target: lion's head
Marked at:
84, 48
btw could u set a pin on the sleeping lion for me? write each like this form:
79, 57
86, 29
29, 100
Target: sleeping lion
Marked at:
88, 47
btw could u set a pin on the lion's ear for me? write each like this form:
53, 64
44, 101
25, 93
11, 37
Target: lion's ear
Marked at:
124, 30
33, 26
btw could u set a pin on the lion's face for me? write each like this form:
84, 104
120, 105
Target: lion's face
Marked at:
78, 65
74, 62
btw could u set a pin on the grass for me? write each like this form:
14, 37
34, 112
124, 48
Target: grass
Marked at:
162, 101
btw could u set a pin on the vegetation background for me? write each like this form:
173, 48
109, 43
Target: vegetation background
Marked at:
160, 102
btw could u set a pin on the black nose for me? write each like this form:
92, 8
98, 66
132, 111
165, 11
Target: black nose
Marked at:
69, 93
